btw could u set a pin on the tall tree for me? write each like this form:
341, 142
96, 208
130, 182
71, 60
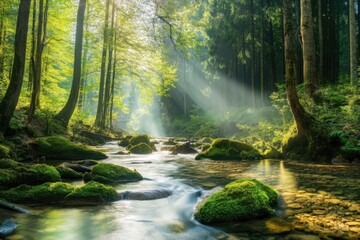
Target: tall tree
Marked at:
321, 42
353, 43
33, 47
65, 114
100, 107
11, 98
37, 63
2, 40
308, 47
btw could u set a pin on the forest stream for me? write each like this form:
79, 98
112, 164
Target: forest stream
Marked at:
316, 201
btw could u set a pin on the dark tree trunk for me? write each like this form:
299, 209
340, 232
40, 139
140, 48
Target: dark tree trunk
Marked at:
262, 68
33, 46
321, 42
100, 107
252, 53
105, 116
65, 114
2, 44
113, 84
10, 100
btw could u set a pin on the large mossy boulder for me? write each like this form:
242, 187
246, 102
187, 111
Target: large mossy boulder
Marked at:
92, 192
184, 148
141, 148
13, 173
227, 149
111, 173
137, 139
240, 200
68, 173
59, 148
125, 141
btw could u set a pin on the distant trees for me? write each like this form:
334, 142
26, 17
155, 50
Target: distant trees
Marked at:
10, 100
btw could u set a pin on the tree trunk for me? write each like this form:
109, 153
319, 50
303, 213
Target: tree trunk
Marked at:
33, 46
105, 116
300, 116
353, 42
10, 100
2, 43
100, 107
308, 48
65, 114
113, 83
252, 53
262, 68
321, 43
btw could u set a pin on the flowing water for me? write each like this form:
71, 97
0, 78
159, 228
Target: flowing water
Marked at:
315, 201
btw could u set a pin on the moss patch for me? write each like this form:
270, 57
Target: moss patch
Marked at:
240, 200
141, 148
93, 192
13, 173
226, 149
135, 140
111, 173
59, 148
45, 193
4, 151
68, 173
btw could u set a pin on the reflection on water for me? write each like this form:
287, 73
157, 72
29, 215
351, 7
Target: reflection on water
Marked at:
169, 218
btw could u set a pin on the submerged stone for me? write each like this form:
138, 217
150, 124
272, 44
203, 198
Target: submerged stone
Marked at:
59, 148
227, 149
111, 173
240, 200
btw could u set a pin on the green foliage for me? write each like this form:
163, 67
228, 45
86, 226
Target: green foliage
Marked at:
240, 200
4, 151
111, 173
141, 148
226, 149
59, 148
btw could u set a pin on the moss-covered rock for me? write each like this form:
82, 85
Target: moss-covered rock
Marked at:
68, 173
125, 141
272, 153
4, 151
183, 149
59, 148
240, 200
45, 193
92, 192
13, 173
111, 173
142, 138
87, 163
141, 148
227, 149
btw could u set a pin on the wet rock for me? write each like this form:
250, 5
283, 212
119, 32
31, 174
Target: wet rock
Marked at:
122, 153
144, 195
319, 212
77, 167
294, 206
7, 228
68, 173
183, 149
87, 163
141, 148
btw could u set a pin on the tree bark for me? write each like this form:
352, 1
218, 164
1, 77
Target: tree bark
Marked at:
300, 116
33, 48
353, 42
100, 107
11, 98
308, 48
65, 114
321, 43
262, 68
113, 83
105, 116
2, 43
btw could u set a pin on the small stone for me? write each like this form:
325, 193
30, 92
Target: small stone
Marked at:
353, 223
355, 229
319, 212
310, 190
295, 206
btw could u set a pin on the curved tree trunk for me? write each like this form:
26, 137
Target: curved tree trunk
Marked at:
11, 98
65, 114
308, 48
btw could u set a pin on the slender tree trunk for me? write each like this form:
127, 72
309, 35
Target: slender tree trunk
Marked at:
353, 42
65, 114
33, 46
262, 68
81, 102
105, 116
321, 43
113, 82
252, 53
100, 107
308, 48
10, 100
2, 42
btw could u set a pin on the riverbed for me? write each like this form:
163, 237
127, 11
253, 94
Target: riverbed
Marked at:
316, 201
